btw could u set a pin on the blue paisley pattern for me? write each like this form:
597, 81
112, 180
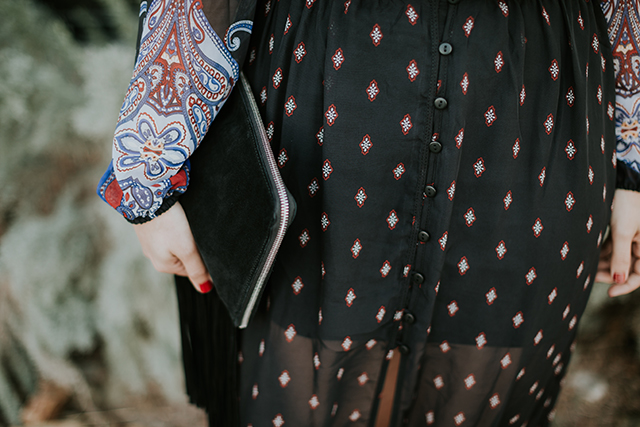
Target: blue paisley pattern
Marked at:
182, 77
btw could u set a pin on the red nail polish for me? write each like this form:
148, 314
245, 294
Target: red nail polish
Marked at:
206, 287
618, 278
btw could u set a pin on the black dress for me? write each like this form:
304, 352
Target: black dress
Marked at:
453, 165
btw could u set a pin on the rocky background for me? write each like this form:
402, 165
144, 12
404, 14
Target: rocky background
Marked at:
88, 330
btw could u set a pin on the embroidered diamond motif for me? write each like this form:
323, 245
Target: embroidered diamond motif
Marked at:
412, 14
340, 374
290, 333
498, 62
518, 319
261, 348
320, 136
263, 95
356, 248
430, 418
554, 70
463, 266
365, 144
331, 115
552, 296
590, 175
443, 240
481, 340
505, 361
445, 347
284, 378
452, 308
580, 269
523, 95
604, 192
381, 312
580, 21
470, 217
490, 116
271, 44
406, 270
326, 169
599, 94
314, 402
464, 83
603, 63
282, 158
438, 382
320, 310
545, 15
346, 343
550, 351
338, 59
468, 26
406, 124
324, 221
300, 52
587, 124
533, 387
564, 251
451, 191
372, 90
287, 24
569, 201
586, 282
531, 276
392, 220
334, 409
507, 200
304, 238
386, 267
370, 344
570, 97
566, 311
469, 381
363, 378
360, 197
514, 419
610, 111
270, 131
398, 171
501, 249
589, 224
548, 124
570, 149
355, 415
459, 418
537, 227
278, 421
459, 138
413, 70
313, 187
277, 78
290, 106
595, 43
478, 167
310, 3
573, 322
537, 338
376, 35
542, 176
254, 392
494, 401
557, 359
516, 148
351, 296
491, 296
316, 361
297, 285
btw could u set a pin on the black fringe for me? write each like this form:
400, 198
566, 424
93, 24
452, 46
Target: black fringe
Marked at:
209, 353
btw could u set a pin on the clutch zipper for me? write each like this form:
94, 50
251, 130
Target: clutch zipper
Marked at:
284, 206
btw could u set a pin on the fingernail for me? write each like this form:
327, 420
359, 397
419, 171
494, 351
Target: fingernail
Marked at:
619, 278
206, 287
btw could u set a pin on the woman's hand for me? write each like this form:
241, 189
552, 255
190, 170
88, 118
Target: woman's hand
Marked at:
620, 258
167, 241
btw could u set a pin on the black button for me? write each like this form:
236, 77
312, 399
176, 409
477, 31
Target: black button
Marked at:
417, 278
430, 191
445, 48
409, 318
423, 236
403, 348
435, 147
440, 103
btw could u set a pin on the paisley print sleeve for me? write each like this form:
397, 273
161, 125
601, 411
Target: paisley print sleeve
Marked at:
623, 19
183, 74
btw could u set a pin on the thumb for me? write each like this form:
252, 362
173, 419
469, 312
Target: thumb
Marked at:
197, 272
620, 256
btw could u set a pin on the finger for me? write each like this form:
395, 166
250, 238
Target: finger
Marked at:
624, 288
620, 257
170, 265
197, 271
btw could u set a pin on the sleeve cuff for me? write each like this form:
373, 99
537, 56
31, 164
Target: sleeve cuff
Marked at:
627, 178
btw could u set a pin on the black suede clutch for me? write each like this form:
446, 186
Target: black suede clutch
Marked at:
237, 204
